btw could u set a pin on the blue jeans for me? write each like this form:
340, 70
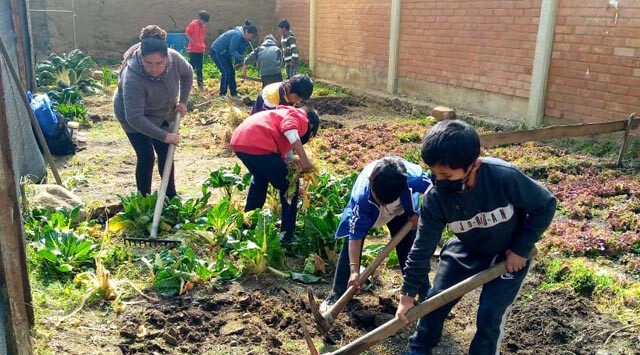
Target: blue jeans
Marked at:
227, 72
270, 169
457, 262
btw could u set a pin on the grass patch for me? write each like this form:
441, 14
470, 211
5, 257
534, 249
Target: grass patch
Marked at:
612, 294
320, 89
603, 146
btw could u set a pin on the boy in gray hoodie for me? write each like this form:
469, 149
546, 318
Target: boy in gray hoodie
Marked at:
268, 59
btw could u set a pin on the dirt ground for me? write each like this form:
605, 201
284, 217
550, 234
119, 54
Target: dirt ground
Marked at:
260, 316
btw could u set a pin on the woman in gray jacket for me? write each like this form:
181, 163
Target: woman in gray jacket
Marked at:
146, 101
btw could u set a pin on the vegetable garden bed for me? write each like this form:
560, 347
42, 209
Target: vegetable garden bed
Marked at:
231, 289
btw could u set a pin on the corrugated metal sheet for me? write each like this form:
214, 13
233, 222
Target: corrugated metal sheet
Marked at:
27, 159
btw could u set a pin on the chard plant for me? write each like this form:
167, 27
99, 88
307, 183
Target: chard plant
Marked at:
73, 111
176, 271
177, 212
259, 248
329, 195
136, 216
70, 71
64, 252
229, 180
223, 220
39, 219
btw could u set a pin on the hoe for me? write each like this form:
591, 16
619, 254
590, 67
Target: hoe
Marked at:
394, 325
325, 321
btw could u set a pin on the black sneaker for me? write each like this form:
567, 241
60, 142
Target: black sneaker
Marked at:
326, 305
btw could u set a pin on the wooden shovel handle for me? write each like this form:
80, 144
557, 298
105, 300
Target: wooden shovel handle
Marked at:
452, 293
382, 255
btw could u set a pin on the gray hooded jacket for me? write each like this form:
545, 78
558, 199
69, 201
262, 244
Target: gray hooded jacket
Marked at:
268, 58
142, 105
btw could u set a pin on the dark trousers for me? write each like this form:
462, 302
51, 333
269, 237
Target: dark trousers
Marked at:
196, 62
270, 79
259, 104
144, 147
290, 70
341, 278
457, 262
227, 73
270, 169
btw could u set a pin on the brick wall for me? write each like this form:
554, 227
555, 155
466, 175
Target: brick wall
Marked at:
297, 13
354, 34
595, 68
484, 45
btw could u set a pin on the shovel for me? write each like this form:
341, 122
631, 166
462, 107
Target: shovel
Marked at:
393, 326
162, 191
326, 320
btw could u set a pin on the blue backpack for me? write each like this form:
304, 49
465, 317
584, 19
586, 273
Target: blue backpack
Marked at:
42, 108
53, 126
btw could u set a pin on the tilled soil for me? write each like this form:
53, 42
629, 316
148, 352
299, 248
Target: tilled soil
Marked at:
261, 316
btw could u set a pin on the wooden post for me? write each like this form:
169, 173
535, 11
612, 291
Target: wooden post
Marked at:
625, 140
555, 132
394, 46
32, 58
313, 22
17, 15
541, 62
13, 264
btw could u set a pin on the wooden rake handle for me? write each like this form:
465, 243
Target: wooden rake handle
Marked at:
166, 174
452, 293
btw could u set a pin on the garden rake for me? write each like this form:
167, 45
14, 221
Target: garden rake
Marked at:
326, 320
394, 325
162, 191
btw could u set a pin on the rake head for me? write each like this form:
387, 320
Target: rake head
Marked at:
152, 242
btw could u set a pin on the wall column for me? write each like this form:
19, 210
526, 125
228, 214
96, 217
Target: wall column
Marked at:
394, 46
541, 63
313, 17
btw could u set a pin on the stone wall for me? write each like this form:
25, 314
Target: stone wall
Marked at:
106, 28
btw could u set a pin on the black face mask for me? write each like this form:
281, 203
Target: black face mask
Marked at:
459, 185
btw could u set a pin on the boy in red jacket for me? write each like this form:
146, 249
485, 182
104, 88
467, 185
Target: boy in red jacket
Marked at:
262, 142
195, 32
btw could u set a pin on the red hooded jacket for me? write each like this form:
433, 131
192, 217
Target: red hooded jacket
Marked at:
263, 133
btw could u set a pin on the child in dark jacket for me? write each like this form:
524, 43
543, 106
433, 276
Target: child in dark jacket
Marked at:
268, 59
289, 92
230, 46
262, 142
289, 47
385, 193
495, 211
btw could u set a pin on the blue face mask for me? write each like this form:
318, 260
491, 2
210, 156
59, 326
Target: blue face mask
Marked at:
457, 186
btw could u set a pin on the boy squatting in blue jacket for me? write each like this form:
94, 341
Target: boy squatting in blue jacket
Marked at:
385, 192
495, 211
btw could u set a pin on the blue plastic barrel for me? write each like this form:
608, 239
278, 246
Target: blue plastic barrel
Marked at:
177, 40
